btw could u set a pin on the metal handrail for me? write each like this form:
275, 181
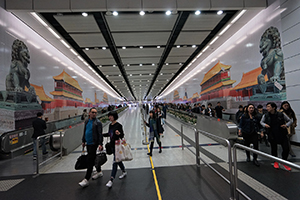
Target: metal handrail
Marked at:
37, 151
198, 157
235, 146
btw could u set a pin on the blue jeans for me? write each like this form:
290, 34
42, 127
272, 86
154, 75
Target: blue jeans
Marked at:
42, 142
115, 166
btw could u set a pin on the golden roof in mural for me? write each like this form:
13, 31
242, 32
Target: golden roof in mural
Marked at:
40, 92
64, 76
195, 95
223, 83
65, 94
249, 79
214, 71
88, 100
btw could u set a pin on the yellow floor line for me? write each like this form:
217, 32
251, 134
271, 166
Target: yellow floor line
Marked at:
154, 176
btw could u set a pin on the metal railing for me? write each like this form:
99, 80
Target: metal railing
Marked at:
235, 146
198, 157
37, 151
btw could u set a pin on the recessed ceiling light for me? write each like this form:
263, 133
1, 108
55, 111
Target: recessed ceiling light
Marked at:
107, 76
161, 74
194, 46
158, 47
87, 49
180, 63
130, 74
150, 74
141, 47
120, 75
167, 63
103, 48
140, 74
142, 13
153, 64
100, 66
178, 46
114, 65
115, 13
220, 12
123, 47
168, 12
198, 12
128, 65
84, 14
141, 64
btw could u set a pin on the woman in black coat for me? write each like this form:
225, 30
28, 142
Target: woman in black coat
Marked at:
156, 130
248, 128
115, 132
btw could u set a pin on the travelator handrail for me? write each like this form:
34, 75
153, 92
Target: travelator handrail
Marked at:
198, 157
235, 147
37, 151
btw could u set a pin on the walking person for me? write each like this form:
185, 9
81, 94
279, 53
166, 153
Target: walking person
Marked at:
160, 119
260, 113
165, 108
286, 109
39, 126
276, 124
209, 111
248, 128
92, 139
239, 114
115, 132
219, 110
155, 130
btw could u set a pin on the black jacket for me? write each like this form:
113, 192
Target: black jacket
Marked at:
112, 133
212, 112
238, 115
249, 126
39, 127
97, 132
159, 127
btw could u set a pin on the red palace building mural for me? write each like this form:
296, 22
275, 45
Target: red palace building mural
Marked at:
67, 91
244, 89
216, 82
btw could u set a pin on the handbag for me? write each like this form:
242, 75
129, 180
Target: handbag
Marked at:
119, 151
101, 159
127, 151
108, 148
122, 151
81, 162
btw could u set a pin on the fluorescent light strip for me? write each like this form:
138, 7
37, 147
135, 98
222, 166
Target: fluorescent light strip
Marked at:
39, 19
242, 39
238, 16
46, 52
214, 40
205, 49
80, 58
36, 46
53, 32
55, 58
16, 33
225, 29
66, 45
74, 52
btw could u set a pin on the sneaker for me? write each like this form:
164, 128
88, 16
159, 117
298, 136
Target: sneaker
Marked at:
123, 175
149, 154
109, 184
276, 166
84, 183
160, 150
287, 168
97, 175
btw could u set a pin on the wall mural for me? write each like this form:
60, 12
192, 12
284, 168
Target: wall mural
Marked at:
22, 99
264, 83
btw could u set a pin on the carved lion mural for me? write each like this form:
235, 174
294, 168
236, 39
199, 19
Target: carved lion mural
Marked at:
19, 74
272, 61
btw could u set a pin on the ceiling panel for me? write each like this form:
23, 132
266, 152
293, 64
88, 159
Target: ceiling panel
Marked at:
182, 51
141, 60
191, 38
89, 40
102, 61
99, 53
176, 59
78, 23
135, 22
137, 39
137, 52
202, 22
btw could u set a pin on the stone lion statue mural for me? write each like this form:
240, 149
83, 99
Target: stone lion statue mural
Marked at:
19, 74
272, 62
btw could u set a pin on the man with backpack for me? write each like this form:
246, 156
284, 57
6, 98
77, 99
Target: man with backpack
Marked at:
275, 124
